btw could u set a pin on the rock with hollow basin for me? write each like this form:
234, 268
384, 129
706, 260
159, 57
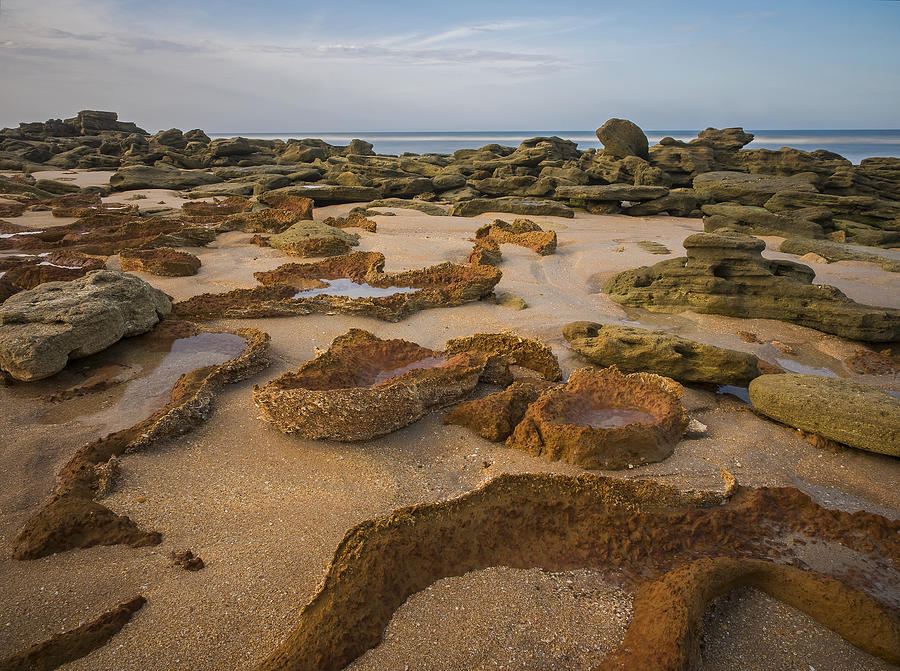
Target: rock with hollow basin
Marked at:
604, 419
363, 387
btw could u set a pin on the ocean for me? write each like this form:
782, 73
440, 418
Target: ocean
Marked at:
854, 145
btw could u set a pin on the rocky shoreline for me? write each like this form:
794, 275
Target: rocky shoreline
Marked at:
449, 343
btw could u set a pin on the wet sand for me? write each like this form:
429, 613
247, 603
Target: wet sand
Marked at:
266, 510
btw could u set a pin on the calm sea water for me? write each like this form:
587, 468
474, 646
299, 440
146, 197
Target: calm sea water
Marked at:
854, 145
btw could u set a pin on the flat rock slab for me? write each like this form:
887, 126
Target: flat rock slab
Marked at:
327, 194
838, 251
634, 350
853, 414
42, 328
512, 205
723, 185
612, 192
146, 177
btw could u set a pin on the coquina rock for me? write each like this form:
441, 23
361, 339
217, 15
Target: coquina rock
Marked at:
739, 187
326, 194
146, 177
725, 273
311, 238
522, 232
634, 350
837, 409
757, 221
42, 328
646, 420
884, 214
513, 205
611, 192
163, 261
837, 251
364, 387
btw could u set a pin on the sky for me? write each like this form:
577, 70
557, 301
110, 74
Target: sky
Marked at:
379, 65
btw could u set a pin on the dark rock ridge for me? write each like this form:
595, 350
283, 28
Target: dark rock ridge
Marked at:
539, 177
725, 273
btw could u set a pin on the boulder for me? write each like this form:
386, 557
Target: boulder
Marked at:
170, 138
725, 273
163, 261
312, 238
757, 221
834, 408
329, 194
611, 192
726, 138
739, 187
621, 138
132, 177
231, 146
43, 328
512, 205
634, 350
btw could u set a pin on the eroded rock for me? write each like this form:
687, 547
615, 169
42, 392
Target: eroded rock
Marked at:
42, 328
522, 232
604, 419
363, 387
312, 238
725, 273
163, 261
634, 350
846, 412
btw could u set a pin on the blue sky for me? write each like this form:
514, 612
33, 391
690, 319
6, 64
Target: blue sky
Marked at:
463, 65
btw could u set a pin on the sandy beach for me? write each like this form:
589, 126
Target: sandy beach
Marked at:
266, 510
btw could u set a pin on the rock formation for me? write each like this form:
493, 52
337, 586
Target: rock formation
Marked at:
363, 387
311, 238
725, 273
163, 261
604, 419
522, 232
437, 286
42, 328
634, 350
836, 409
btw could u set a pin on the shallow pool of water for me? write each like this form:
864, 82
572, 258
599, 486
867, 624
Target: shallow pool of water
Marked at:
346, 287
147, 394
610, 418
427, 362
738, 392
